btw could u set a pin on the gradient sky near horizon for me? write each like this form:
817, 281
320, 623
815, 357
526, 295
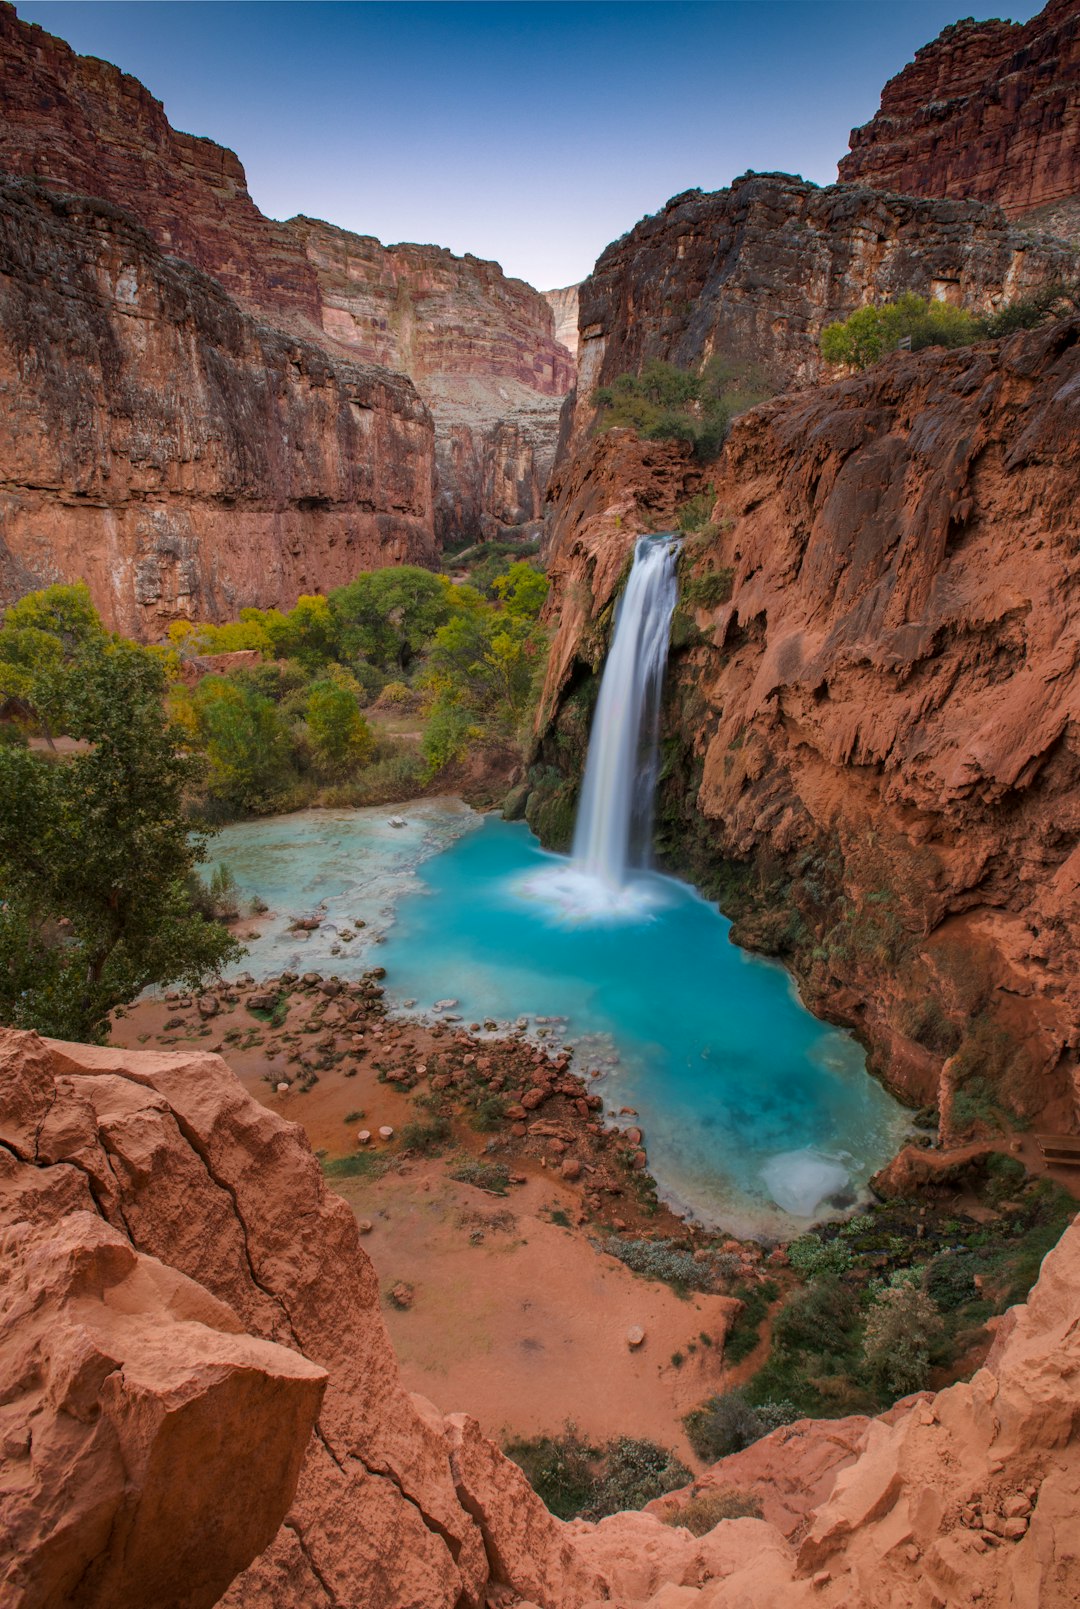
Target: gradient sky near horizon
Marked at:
531, 133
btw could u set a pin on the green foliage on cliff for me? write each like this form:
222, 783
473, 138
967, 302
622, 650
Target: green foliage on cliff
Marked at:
664, 402
870, 332
96, 856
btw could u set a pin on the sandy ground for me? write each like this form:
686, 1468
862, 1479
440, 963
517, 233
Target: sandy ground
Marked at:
515, 1318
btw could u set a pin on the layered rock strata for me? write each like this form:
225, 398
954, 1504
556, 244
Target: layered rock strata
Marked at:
479, 345
872, 751
186, 1296
482, 351
564, 305
989, 110
752, 275
183, 459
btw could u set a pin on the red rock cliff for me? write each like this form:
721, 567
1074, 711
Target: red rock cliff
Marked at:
875, 690
180, 457
479, 345
482, 351
183, 1297
755, 272
989, 110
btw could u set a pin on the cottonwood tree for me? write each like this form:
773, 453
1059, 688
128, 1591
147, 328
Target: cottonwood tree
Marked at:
96, 856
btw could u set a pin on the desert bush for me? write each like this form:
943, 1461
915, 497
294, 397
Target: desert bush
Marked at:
950, 1281
813, 1257
902, 1327
577, 1479
870, 332
490, 1176
664, 402
662, 1260
704, 1511
429, 1138
722, 1425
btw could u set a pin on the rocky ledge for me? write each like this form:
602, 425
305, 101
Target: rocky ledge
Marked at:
186, 1297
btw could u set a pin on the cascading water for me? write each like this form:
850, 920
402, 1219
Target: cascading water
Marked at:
613, 834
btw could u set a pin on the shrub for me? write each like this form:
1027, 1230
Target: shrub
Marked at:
490, 1176
872, 331
429, 1138
575, 1478
710, 590
819, 1319
722, 1425
950, 1281
489, 1114
703, 1512
812, 1257
662, 1260
664, 402
902, 1327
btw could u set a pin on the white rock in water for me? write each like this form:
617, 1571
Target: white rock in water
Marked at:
799, 1181
398, 821
444, 1005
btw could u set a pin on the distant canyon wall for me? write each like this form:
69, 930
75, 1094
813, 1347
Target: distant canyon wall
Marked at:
479, 345
564, 305
482, 351
989, 110
181, 457
872, 740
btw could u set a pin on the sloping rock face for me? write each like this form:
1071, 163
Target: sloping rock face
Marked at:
872, 752
183, 459
182, 1288
482, 351
564, 305
989, 110
76, 123
753, 274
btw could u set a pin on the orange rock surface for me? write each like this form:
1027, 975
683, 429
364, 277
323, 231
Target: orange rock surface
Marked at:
181, 1285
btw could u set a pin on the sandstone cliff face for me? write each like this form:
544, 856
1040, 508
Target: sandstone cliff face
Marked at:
482, 351
989, 110
564, 305
182, 1289
181, 458
479, 346
76, 123
873, 704
754, 273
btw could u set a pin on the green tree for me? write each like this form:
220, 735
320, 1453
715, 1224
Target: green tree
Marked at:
522, 591
872, 331
95, 854
246, 742
39, 636
389, 616
902, 1328
339, 733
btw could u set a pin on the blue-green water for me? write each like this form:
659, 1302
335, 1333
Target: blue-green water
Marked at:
757, 1117
748, 1103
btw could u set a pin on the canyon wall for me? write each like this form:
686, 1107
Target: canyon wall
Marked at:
479, 346
752, 274
564, 305
183, 459
481, 350
989, 110
198, 1389
871, 744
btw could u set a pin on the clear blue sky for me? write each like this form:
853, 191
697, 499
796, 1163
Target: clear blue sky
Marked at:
530, 133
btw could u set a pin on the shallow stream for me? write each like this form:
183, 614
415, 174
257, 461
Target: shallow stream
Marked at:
755, 1113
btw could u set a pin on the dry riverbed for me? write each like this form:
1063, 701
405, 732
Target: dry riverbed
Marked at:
486, 1210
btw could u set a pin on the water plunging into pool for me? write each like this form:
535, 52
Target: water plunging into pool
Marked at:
757, 1117
614, 823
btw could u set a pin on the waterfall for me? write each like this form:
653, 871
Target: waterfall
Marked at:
613, 834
